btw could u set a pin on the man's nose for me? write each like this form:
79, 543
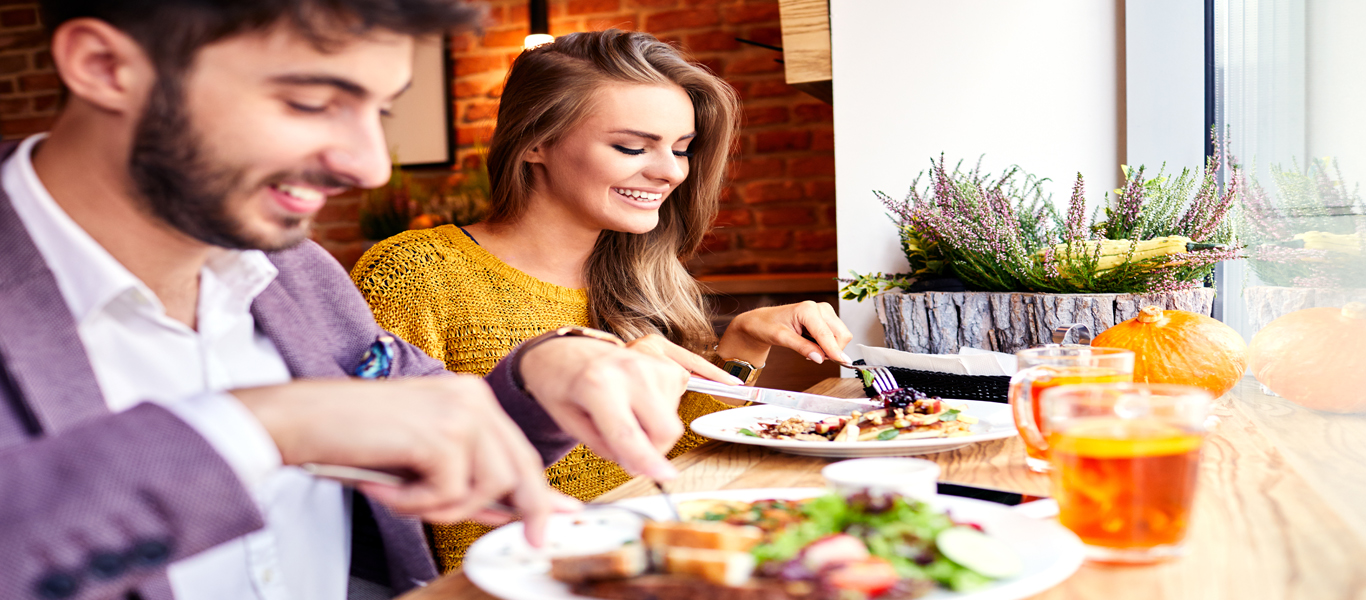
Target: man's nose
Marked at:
362, 155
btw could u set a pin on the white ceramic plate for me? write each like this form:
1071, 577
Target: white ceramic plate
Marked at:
501, 563
993, 422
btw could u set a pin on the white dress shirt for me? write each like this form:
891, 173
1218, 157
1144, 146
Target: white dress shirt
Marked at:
140, 354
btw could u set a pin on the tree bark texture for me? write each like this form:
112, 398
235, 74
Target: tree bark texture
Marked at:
943, 322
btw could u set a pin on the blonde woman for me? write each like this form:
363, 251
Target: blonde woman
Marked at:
605, 167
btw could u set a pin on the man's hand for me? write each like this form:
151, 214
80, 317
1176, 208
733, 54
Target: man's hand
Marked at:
448, 433
621, 403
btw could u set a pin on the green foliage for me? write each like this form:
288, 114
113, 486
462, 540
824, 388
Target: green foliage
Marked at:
406, 202
900, 534
862, 287
1286, 230
1004, 234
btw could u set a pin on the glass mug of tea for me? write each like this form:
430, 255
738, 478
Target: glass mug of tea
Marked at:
1056, 365
1125, 461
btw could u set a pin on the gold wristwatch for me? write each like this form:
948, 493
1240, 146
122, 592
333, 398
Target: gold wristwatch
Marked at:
742, 370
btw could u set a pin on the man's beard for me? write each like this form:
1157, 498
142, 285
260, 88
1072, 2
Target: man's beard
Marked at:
181, 185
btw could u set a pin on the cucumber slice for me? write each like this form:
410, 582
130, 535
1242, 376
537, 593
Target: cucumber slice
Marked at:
983, 554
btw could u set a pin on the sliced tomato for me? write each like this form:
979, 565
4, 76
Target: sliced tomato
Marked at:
871, 576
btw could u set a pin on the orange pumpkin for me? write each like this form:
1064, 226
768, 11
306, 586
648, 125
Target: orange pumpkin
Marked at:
1315, 357
1176, 346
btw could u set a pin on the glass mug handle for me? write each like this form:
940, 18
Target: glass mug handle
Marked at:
1022, 405
1080, 332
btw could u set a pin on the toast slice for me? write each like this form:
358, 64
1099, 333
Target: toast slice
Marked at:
721, 567
707, 535
627, 561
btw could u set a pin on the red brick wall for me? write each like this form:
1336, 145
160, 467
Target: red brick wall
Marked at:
28, 84
778, 213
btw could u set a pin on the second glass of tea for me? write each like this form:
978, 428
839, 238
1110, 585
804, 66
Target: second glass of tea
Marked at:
1056, 365
1125, 462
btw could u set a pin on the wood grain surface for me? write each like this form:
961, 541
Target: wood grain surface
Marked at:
1279, 514
806, 40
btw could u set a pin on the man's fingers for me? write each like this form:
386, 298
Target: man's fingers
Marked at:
578, 424
663, 429
532, 500
633, 448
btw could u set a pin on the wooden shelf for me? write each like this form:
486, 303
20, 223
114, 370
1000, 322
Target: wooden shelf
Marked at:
806, 46
774, 283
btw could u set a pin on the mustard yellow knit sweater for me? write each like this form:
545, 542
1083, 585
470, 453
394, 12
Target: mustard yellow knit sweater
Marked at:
445, 294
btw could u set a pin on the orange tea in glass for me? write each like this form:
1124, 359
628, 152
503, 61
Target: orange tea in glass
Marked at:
1056, 365
1125, 461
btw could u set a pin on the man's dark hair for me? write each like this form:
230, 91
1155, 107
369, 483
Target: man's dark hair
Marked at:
172, 31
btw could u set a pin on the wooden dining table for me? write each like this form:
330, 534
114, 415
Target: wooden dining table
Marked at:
1280, 511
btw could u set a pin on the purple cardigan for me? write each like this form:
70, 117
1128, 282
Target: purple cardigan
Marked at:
95, 505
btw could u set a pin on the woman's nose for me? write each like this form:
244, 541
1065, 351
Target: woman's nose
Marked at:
668, 168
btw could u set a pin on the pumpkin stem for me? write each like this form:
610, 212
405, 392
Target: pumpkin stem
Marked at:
1354, 310
1150, 314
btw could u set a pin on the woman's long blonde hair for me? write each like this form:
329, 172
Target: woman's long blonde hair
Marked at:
637, 284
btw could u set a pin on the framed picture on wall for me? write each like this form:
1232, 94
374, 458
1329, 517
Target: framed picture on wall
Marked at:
419, 129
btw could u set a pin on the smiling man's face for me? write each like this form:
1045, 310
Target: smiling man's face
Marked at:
244, 150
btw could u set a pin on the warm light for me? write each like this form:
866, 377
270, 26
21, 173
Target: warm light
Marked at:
537, 39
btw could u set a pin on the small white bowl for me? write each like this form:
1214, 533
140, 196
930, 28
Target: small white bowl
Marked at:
910, 477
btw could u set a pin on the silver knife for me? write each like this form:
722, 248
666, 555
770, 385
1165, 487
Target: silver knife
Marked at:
817, 403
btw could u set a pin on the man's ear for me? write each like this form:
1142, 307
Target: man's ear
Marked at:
102, 65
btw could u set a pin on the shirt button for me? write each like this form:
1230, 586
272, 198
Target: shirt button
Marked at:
57, 586
149, 554
267, 575
107, 565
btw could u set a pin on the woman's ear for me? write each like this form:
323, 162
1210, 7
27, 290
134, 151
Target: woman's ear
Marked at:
534, 154
102, 65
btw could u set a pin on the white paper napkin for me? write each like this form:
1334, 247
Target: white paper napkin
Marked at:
968, 361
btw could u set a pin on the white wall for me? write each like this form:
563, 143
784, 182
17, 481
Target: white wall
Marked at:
1164, 59
1027, 83
1336, 85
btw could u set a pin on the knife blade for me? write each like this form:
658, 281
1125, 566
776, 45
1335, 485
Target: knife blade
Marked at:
817, 403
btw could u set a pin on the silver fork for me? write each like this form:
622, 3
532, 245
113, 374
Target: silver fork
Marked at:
878, 378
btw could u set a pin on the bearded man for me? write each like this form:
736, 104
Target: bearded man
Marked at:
172, 346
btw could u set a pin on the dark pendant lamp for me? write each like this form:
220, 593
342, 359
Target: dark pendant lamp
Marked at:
540, 25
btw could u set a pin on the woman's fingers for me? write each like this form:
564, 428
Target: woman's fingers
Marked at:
820, 321
702, 367
658, 345
788, 338
842, 334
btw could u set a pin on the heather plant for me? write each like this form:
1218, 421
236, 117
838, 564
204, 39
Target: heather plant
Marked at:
1311, 232
1003, 233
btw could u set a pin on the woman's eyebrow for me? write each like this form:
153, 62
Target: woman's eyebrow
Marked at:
648, 136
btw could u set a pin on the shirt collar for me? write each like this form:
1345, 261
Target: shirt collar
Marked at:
87, 275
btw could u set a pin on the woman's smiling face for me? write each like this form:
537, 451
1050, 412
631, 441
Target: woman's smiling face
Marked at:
619, 165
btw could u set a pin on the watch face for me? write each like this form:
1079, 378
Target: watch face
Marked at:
738, 370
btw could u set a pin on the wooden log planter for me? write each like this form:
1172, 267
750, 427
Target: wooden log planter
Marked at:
943, 322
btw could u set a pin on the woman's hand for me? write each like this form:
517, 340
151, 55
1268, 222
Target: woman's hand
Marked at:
658, 345
752, 334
